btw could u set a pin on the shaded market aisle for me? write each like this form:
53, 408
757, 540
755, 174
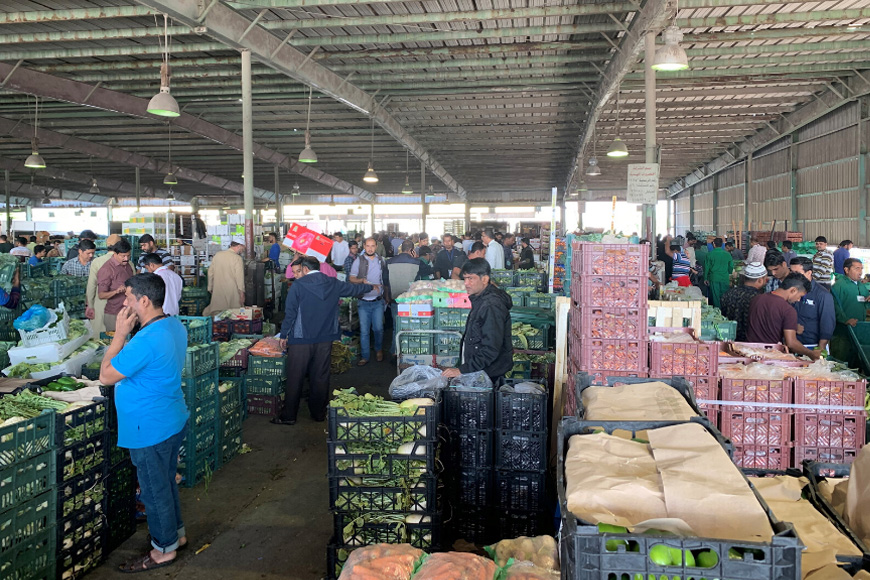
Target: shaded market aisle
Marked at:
265, 514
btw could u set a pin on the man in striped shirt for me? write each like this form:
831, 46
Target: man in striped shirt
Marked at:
823, 263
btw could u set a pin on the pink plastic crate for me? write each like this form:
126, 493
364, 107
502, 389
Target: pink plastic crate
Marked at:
762, 456
756, 428
823, 455
835, 393
609, 291
684, 358
611, 259
845, 430
756, 391
611, 323
600, 377
622, 356
706, 388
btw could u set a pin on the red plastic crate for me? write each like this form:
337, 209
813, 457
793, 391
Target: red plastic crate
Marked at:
610, 291
619, 356
834, 393
611, 259
845, 430
706, 389
756, 391
239, 361
823, 455
610, 323
756, 428
762, 457
264, 404
684, 358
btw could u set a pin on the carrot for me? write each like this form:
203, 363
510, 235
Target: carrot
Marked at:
455, 566
381, 562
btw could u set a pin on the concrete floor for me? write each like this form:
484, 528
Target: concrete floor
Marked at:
264, 515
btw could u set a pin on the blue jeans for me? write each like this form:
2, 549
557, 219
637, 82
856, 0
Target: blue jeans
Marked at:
156, 467
371, 318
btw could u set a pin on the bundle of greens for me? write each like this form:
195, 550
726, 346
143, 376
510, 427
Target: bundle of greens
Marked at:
231, 348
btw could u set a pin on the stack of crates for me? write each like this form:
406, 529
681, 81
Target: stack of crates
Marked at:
264, 384
542, 333
520, 477
376, 494
225, 329
81, 439
198, 457
468, 458
28, 498
121, 483
72, 291
835, 432
608, 318
193, 301
417, 343
233, 401
697, 362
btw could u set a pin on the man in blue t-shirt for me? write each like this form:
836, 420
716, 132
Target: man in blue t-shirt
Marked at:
152, 414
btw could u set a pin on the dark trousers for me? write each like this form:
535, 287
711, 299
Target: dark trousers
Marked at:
315, 360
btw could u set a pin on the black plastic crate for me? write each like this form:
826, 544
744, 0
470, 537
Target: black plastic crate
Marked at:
359, 530
391, 431
414, 497
82, 424
513, 524
468, 409
470, 488
584, 549
336, 556
584, 380
469, 448
81, 525
521, 450
82, 457
388, 466
81, 558
474, 525
521, 491
121, 484
80, 492
520, 411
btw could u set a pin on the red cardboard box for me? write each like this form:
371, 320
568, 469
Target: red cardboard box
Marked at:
308, 242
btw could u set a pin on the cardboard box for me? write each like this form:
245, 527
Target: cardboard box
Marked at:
250, 313
308, 242
416, 310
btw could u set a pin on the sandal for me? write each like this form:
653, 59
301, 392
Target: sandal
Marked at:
362, 362
143, 564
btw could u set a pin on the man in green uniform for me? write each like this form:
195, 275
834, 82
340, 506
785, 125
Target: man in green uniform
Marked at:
717, 271
850, 303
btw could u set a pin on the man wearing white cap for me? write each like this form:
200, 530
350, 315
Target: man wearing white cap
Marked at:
735, 302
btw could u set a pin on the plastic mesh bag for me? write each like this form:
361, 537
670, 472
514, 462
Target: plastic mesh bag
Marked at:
526, 388
456, 566
417, 381
385, 561
528, 571
541, 551
475, 380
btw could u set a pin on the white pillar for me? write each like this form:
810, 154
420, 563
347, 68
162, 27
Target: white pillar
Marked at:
247, 151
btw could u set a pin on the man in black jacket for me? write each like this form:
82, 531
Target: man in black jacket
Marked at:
486, 345
310, 326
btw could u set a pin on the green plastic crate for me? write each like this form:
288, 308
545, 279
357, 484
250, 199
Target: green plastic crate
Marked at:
33, 558
537, 340
26, 439
529, 278
415, 323
522, 369
201, 388
451, 318
264, 385
266, 365
446, 344
27, 520
502, 278
199, 329
201, 359
194, 467
27, 479
415, 344
541, 300
204, 414
38, 271
229, 448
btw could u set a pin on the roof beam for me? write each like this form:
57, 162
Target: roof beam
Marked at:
260, 4
233, 29
37, 16
35, 83
49, 138
798, 33
653, 16
122, 187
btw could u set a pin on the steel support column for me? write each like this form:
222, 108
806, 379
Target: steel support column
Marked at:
423, 195
747, 194
863, 240
648, 225
138, 191
248, 152
8, 203
793, 180
279, 205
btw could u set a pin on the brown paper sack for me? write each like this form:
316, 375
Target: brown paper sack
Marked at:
654, 401
704, 488
858, 496
833, 489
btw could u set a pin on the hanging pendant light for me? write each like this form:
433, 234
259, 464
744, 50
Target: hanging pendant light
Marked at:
47, 199
170, 178
371, 176
95, 188
163, 104
406, 189
331, 201
671, 57
308, 155
617, 148
35, 160
593, 170
295, 191
171, 195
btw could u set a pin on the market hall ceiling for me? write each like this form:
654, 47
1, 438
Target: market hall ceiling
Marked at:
494, 96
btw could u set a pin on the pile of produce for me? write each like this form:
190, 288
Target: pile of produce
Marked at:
342, 358
421, 291
760, 353
25, 370
522, 332
64, 384
8, 267
822, 370
231, 348
270, 347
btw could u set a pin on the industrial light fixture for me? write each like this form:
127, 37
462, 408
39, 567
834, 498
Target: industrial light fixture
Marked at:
406, 189
163, 104
308, 155
95, 189
671, 57
593, 170
332, 201
371, 176
170, 178
617, 148
47, 199
295, 191
171, 195
35, 160
112, 201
